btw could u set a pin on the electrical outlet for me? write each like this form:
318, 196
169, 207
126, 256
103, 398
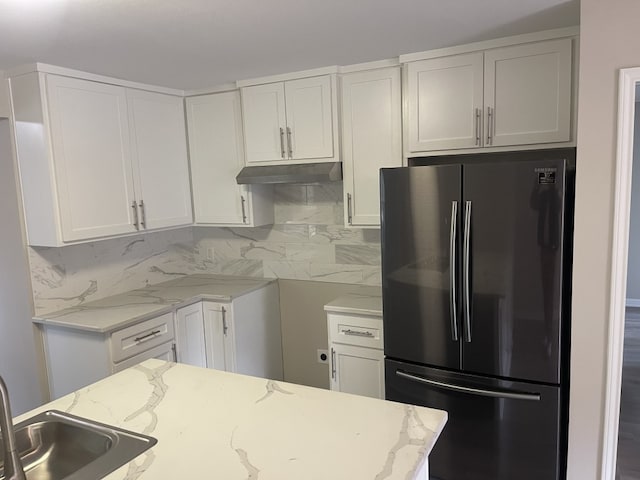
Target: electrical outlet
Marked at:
322, 356
210, 254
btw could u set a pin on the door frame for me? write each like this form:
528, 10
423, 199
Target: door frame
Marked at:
628, 80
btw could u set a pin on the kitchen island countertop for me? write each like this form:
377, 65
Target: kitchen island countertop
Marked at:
213, 424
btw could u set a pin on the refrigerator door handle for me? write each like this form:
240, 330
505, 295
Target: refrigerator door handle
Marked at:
465, 272
509, 394
453, 294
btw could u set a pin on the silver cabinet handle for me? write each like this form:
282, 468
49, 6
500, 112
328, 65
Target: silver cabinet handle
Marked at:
282, 142
135, 215
514, 395
225, 328
333, 363
147, 336
478, 119
143, 220
349, 215
289, 144
244, 213
489, 125
466, 281
175, 352
357, 333
453, 295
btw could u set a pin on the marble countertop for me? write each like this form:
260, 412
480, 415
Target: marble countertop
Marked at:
222, 425
356, 303
118, 311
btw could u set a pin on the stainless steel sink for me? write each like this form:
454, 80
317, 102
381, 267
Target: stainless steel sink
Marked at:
56, 445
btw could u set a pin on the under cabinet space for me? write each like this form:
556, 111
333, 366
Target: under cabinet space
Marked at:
216, 154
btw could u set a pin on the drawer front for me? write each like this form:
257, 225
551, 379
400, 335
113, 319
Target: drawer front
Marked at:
164, 352
141, 337
355, 330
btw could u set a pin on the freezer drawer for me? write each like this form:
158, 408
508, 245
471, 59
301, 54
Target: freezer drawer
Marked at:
497, 429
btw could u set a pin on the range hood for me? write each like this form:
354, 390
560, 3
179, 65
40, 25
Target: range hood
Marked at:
302, 173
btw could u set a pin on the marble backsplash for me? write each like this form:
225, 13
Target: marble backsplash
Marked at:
307, 241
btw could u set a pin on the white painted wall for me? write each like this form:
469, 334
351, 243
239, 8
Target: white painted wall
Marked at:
609, 39
19, 355
633, 269
4, 96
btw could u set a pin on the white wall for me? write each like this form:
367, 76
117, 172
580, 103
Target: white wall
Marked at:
633, 271
609, 40
19, 356
4, 96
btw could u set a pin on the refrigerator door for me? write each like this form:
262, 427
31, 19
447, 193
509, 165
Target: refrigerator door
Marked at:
512, 269
497, 429
420, 214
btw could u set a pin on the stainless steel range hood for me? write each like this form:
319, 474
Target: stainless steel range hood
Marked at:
303, 173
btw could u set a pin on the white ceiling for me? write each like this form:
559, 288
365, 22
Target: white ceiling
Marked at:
201, 43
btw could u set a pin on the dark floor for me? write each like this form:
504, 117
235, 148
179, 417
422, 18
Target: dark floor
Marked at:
629, 434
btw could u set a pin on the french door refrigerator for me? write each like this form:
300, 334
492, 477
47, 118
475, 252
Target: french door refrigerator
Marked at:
476, 259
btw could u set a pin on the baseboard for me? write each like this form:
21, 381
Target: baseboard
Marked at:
633, 302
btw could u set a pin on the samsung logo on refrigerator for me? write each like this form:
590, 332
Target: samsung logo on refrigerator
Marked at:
546, 175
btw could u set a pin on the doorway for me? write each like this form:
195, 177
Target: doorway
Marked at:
622, 419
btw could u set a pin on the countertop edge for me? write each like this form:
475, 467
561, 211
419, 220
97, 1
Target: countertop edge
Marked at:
161, 310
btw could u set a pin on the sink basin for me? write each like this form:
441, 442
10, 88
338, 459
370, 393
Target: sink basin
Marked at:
56, 445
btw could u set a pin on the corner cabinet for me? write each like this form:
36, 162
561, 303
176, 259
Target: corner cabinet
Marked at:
508, 96
98, 160
371, 139
356, 354
241, 336
292, 121
216, 153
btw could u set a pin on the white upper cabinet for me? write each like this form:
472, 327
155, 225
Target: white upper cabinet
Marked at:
98, 160
160, 161
508, 96
92, 157
265, 122
291, 121
371, 139
216, 154
527, 93
309, 124
445, 102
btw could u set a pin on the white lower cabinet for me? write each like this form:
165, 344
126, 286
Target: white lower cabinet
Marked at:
241, 336
76, 358
356, 354
357, 370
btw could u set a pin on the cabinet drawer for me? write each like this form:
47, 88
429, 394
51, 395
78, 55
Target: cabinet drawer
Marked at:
140, 337
162, 352
355, 330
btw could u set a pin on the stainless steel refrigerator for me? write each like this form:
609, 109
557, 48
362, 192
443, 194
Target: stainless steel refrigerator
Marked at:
476, 260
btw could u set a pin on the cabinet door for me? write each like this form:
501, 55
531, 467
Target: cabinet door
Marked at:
90, 138
219, 337
528, 93
309, 118
357, 370
160, 159
264, 118
372, 139
445, 102
190, 341
216, 155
